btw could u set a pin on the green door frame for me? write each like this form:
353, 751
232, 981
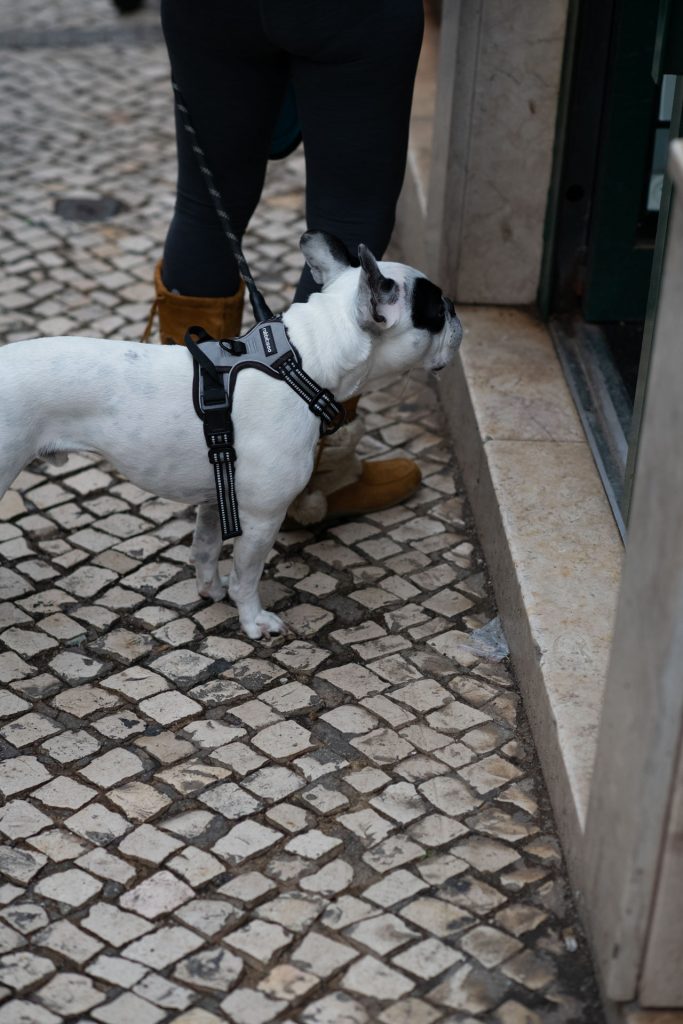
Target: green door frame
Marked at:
667, 60
594, 266
618, 265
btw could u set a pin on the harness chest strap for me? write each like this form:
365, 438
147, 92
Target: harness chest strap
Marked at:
265, 347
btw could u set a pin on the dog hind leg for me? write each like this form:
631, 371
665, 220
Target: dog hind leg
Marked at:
249, 557
12, 461
205, 552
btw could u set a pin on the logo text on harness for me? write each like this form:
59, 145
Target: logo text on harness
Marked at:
267, 340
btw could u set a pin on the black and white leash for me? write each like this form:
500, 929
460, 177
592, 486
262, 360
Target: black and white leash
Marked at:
258, 303
218, 429
216, 416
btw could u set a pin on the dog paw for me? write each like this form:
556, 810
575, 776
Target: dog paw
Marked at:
212, 591
264, 625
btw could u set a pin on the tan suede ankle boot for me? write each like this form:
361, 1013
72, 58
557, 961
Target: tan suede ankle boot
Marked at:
342, 486
221, 317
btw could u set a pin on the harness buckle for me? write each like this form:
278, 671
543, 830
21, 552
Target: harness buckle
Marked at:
330, 412
207, 405
221, 453
320, 404
285, 362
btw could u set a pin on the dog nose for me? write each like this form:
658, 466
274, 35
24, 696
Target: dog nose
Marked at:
449, 306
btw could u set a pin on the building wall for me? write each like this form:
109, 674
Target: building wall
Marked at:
482, 209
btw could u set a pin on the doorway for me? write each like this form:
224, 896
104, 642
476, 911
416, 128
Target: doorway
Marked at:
621, 104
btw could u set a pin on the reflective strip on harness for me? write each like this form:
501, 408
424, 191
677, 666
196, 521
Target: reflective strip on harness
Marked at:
265, 347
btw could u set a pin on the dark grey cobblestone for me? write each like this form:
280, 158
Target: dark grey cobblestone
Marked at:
344, 825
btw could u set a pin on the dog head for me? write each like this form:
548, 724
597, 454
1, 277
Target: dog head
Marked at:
407, 318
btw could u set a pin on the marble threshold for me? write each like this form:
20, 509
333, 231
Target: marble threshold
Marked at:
552, 545
553, 550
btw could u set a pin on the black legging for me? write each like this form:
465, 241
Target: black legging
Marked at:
352, 64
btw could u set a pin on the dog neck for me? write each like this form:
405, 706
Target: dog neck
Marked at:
334, 350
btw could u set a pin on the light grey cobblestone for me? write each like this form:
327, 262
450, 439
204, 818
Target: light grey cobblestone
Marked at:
345, 825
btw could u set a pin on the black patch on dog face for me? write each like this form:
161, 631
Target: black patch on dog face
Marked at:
428, 306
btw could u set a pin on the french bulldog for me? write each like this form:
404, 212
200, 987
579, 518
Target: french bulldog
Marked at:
132, 404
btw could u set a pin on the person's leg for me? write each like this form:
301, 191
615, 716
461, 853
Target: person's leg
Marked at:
232, 80
353, 68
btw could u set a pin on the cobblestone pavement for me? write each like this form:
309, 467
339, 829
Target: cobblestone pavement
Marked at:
346, 825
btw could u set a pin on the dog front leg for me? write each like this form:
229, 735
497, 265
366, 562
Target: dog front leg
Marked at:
205, 552
249, 557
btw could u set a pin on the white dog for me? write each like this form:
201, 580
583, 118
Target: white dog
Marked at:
132, 404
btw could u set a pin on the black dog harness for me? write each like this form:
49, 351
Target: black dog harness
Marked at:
265, 347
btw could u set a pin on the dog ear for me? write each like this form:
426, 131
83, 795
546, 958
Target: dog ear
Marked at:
326, 255
377, 301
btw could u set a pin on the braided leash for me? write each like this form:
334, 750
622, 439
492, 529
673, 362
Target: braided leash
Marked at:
215, 406
258, 303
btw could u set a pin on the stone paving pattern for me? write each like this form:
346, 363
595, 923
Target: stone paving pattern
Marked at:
342, 826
